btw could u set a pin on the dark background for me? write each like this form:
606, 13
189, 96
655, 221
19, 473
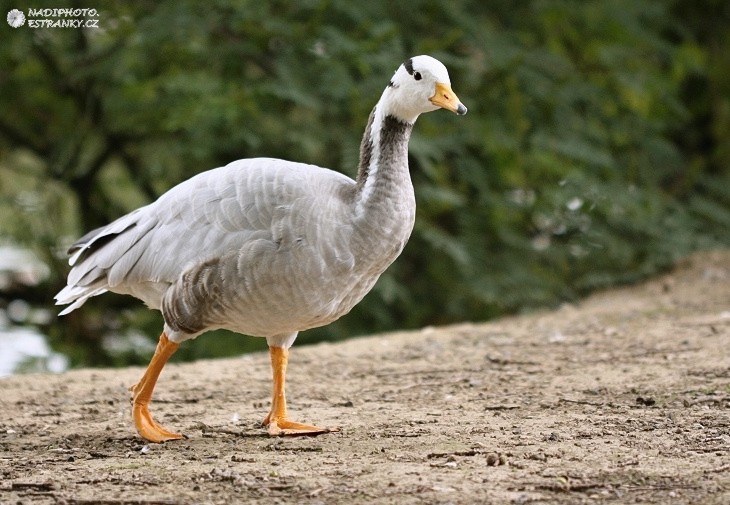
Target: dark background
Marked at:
595, 151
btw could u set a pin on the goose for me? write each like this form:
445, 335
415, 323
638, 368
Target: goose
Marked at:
265, 247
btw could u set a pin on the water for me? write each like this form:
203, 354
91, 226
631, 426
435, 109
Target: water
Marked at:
24, 349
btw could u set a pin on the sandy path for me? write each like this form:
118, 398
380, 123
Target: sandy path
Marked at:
622, 398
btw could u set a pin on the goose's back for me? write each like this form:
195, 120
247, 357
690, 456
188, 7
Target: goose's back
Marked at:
259, 246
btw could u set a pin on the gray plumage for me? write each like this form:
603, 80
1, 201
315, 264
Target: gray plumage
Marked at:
265, 247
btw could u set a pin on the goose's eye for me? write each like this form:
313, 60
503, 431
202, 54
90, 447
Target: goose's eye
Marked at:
417, 76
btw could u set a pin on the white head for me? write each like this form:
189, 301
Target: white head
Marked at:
421, 84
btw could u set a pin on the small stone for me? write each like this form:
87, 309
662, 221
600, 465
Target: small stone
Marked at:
492, 459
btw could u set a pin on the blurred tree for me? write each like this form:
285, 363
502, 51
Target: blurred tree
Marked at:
595, 151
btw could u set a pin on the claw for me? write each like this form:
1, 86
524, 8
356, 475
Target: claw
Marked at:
148, 428
283, 427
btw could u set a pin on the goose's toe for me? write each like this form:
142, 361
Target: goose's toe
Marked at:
148, 428
278, 427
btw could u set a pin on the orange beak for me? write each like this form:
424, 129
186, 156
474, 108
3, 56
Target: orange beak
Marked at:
447, 99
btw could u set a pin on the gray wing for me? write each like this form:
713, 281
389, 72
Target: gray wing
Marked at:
207, 216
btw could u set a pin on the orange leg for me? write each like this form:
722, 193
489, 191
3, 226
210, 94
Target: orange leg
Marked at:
277, 421
142, 394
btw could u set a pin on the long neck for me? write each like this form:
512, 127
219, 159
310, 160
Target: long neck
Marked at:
382, 174
385, 206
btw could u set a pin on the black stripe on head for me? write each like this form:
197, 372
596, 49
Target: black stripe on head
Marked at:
409, 65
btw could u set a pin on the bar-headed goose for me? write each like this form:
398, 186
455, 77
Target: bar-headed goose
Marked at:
265, 247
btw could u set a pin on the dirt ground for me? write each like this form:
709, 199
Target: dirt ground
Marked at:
622, 398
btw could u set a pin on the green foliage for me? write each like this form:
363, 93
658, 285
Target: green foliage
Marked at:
595, 151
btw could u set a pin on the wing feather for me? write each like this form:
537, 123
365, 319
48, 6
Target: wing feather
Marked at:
205, 217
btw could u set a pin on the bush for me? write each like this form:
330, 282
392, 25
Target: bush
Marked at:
595, 150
